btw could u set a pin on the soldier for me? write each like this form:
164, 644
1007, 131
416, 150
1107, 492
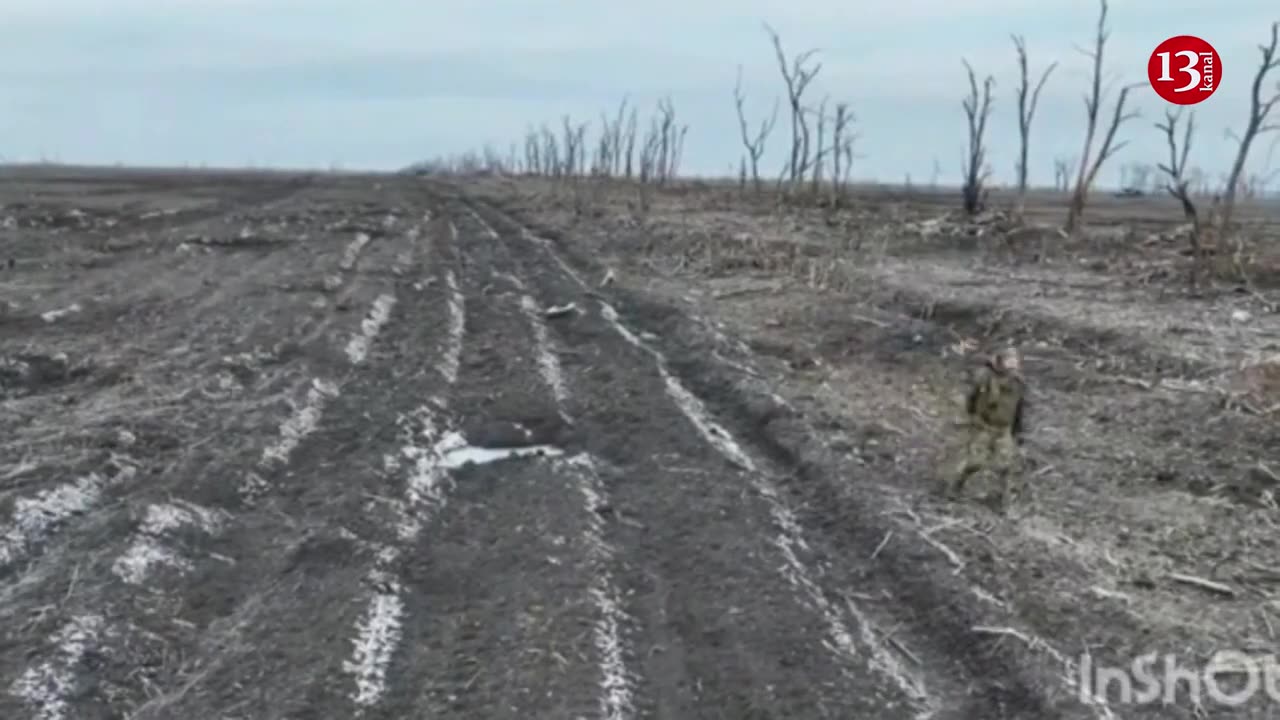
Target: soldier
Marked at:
993, 428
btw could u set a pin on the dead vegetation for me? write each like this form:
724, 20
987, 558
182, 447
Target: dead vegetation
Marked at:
1090, 164
1154, 480
1151, 458
1028, 98
976, 170
817, 164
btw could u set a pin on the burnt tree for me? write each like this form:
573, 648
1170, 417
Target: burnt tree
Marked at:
1088, 171
796, 75
977, 109
753, 144
1259, 110
1028, 98
1177, 185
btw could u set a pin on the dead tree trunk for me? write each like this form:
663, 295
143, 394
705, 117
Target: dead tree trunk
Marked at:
754, 145
1026, 111
1258, 112
839, 143
796, 77
615, 168
1062, 169
630, 152
977, 108
1177, 186
820, 153
1088, 171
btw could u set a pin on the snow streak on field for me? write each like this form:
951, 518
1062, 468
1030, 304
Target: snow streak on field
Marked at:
377, 633
615, 680
353, 251
46, 687
35, 518
358, 347
147, 549
548, 363
306, 417
450, 363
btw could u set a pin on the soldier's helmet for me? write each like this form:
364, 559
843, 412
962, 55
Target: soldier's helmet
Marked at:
1008, 360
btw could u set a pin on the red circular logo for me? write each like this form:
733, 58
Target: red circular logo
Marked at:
1184, 70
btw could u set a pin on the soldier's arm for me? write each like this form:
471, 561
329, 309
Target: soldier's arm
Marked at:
977, 383
1019, 416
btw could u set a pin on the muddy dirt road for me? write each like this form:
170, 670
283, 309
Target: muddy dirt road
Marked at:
368, 447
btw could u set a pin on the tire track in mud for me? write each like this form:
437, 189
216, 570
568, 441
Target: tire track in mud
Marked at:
37, 518
616, 680
986, 694
866, 677
151, 548
145, 552
425, 492
235, 375
327, 506
494, 587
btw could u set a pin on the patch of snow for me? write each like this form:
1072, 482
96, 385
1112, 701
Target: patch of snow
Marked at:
358, 347
548, 363
353, 251
302, 422
615, 682
146, 551
450, 363
46, 687
35, 518
55, 315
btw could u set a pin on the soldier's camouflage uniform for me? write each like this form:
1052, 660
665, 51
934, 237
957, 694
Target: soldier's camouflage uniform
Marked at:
992, 431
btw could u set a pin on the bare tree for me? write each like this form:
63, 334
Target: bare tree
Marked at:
1027, 100
820, 152
842, 139
797, 76
670, 142
1062, 169
977, 108
632, 128
754, 144
1258, 112
574, 154
616, 143
1088, 171
1177, 184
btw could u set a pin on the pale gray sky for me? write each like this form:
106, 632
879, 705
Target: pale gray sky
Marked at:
380, 84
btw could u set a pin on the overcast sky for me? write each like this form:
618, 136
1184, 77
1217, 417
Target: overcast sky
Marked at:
380, 84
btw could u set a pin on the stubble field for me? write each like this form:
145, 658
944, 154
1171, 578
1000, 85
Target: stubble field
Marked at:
325, 446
